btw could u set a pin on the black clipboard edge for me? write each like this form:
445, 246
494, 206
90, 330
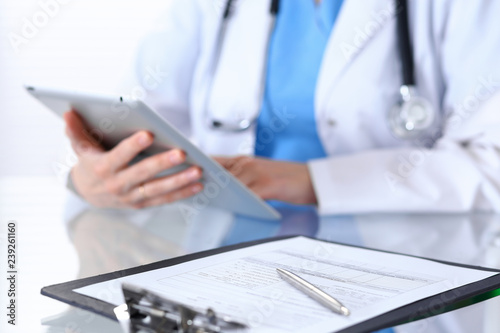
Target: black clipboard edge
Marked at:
64, 291
420, 309
425, 308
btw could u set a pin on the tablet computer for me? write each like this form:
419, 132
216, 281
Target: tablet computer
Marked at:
110, 119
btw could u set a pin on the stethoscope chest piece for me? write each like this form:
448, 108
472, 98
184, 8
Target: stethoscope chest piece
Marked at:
411, 117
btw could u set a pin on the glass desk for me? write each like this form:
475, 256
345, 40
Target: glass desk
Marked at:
54, 248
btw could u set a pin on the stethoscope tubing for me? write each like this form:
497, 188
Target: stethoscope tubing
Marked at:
404, 44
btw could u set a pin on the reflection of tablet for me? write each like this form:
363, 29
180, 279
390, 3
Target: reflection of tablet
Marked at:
113, 118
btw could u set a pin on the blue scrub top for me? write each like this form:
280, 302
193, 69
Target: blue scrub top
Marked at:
286, 126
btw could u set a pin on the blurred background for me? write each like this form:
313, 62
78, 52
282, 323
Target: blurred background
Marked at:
87, 45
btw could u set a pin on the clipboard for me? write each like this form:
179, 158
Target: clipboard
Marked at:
427, 307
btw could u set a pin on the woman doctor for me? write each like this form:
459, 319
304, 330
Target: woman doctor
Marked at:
315, 92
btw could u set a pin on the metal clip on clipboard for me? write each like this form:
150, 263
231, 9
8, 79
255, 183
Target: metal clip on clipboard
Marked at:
145, 311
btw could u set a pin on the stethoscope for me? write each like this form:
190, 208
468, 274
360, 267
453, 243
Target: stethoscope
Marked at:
412, 116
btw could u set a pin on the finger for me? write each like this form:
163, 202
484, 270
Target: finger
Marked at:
247, 176
227, 162
222, 160
145, 170
177, 195
79, 135
235, 165
163, 185
121, 155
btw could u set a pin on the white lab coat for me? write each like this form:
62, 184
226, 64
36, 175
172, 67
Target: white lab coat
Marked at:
456, 49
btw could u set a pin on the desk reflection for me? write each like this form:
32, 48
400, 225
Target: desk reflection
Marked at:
106, 241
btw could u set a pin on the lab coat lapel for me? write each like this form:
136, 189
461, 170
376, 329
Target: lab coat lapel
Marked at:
237, 84
359, 21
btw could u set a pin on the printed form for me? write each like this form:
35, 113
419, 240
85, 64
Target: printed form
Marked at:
244, 284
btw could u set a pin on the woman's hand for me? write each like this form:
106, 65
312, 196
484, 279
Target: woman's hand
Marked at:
105, 179
273, 180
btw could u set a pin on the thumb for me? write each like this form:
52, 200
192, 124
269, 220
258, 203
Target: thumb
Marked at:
81, 139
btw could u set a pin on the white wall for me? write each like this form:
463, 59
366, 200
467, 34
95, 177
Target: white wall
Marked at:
87, 44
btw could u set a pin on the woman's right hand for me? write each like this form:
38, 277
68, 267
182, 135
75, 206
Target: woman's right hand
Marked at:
105, 178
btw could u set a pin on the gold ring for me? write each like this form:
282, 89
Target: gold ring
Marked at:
142, 190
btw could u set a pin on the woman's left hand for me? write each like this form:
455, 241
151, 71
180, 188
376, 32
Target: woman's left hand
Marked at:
273, 180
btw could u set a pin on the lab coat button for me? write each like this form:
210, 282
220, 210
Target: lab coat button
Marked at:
331, 122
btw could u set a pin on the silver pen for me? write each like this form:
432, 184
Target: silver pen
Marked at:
313, 292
